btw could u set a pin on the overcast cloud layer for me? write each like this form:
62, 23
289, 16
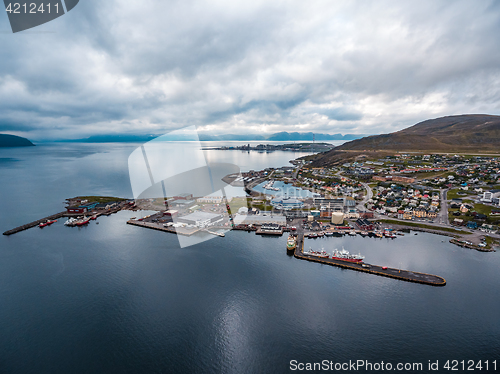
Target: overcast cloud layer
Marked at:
150, 66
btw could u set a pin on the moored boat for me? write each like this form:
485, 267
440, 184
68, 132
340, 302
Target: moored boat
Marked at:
344, 255
47, 223
291, 243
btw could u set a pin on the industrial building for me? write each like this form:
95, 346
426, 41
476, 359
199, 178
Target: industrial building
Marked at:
201, 219
286, 203
259, 219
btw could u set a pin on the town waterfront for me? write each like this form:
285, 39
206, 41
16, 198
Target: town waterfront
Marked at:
117, 298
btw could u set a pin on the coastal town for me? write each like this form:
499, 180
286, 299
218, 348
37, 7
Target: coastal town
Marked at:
452, 195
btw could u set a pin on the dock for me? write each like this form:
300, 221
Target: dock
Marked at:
174, 230
64, 214
221, 234
405, 275
269, 232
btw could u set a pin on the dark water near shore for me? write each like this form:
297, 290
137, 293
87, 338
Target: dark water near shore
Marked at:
113, 298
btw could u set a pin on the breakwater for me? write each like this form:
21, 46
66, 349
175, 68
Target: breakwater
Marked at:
34, 223
384, 271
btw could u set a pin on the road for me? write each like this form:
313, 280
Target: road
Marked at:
369, 194
443, 213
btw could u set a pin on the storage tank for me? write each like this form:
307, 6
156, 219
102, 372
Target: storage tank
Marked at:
337, 218
310, 218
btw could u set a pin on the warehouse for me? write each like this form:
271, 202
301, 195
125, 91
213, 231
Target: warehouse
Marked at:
201, 219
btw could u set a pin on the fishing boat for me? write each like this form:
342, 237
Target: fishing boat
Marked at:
291, 243
82, 221
47, 223
344, 255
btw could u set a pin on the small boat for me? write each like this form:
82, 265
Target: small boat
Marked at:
47, 223
364, 233
70, 222
82, 222
328, 233
321, 254
352, 233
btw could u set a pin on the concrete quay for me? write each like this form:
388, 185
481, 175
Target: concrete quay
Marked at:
405, 275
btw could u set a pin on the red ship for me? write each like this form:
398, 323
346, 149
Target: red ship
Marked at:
344, 255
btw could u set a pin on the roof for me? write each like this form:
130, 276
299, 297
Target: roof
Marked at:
200, 216
286, 200
182, 202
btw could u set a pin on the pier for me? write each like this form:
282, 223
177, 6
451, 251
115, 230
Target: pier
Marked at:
35, 223
221, 234
405, 275
64, 214
269, 232
174, 230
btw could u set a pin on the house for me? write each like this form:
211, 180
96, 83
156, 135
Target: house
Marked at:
472, 225
487, 197
420, 213
401, 214
432, 215
488, 228
458, 222
408, 215
364, 224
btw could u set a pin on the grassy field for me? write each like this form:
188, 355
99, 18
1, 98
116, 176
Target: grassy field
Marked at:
453, 194
490, 242
479, 208
239, 202
424, 226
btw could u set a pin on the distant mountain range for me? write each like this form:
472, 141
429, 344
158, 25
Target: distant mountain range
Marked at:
7, 140
474, 133
279, 136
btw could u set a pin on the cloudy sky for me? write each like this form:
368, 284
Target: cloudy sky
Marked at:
149, 66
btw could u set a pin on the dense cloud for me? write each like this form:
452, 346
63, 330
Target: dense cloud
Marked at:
243, 67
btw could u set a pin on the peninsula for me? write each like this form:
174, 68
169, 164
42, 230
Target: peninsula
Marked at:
7, 140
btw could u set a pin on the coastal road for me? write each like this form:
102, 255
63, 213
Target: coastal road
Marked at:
369, 194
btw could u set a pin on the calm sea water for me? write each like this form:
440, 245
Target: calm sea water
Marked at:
111, 298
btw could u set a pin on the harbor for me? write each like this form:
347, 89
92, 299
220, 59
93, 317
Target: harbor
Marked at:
81, 216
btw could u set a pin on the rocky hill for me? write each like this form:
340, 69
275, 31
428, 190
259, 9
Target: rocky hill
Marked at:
474, 133
14, 141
